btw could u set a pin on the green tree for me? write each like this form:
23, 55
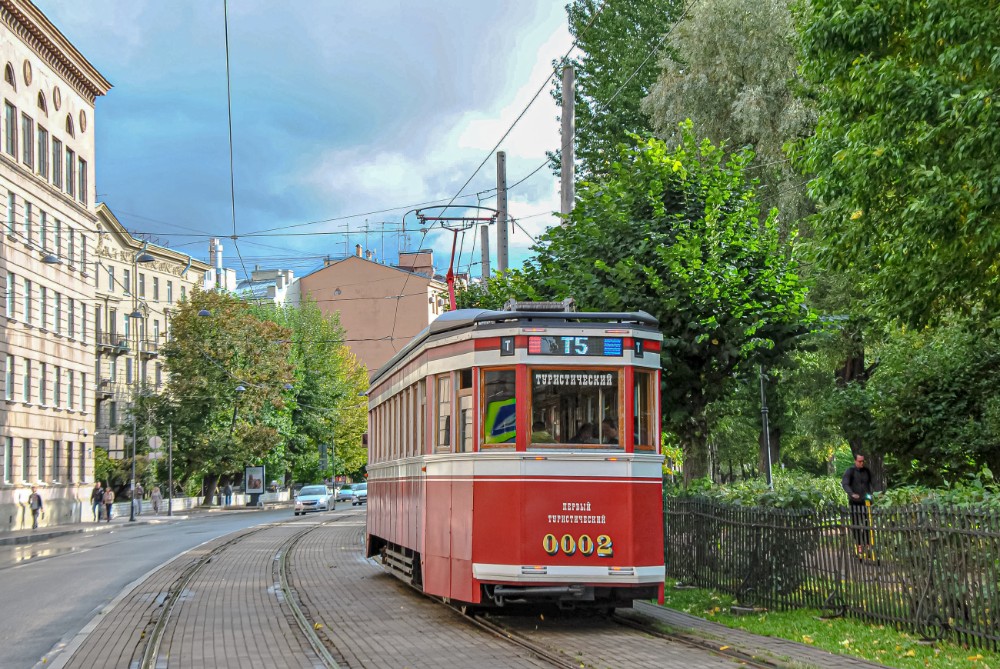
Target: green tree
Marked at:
935, 401
226, 394
904, 153
497, 290
678, 233
618, 40
326, 403
731, 69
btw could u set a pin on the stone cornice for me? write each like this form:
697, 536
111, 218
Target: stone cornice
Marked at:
126, 246
27, 22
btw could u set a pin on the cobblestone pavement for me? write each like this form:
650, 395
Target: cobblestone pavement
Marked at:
232, 612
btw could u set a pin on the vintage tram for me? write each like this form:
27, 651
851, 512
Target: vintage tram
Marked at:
514, 457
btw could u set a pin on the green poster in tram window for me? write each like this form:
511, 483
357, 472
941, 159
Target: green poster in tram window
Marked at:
501, 421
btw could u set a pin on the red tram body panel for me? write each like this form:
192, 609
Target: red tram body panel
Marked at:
514, 457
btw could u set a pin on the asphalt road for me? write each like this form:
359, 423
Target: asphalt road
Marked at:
51, 589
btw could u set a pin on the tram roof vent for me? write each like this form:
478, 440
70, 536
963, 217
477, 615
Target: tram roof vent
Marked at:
569, 304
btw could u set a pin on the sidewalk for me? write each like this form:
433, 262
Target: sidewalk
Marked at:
119, 519
780, 652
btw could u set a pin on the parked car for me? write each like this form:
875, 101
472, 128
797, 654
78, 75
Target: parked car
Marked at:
314, 498
359, 494
344, 494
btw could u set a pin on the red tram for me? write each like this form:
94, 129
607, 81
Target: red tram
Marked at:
514, 457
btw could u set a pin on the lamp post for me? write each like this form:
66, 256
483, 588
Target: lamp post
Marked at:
136, 316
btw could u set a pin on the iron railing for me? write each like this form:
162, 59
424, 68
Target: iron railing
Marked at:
934, 570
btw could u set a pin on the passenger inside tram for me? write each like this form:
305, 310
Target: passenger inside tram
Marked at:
585, 435
609, 433
540, 434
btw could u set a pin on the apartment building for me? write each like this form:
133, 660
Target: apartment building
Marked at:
47, 269
139, 285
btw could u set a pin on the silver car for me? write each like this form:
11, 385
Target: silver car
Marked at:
359, 494
314, 498
344, 494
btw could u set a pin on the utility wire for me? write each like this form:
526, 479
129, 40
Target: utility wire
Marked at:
229, 106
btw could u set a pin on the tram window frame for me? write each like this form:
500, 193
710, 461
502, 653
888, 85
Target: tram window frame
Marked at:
443, 416
485, 384
465, 418
644, 410
421, 415
564, 427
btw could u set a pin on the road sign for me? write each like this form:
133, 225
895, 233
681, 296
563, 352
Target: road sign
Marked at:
155, 442
155, 455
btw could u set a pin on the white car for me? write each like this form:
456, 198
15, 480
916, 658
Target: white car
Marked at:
314, 498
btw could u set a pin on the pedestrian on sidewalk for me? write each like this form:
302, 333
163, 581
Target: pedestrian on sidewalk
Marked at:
857, 483
137, 499
229, 494
96, 500
35, 504
109, 499
155, 497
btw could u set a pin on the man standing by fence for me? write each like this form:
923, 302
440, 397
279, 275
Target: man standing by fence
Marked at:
857, 483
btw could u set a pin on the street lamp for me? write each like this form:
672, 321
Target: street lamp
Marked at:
136, 316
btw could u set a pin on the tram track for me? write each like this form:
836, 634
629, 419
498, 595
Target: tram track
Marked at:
154, 635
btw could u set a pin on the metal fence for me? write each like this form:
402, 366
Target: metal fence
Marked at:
929, 569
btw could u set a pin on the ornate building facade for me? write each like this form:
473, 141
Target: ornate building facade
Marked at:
47, 270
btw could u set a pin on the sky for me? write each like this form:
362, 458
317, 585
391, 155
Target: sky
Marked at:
339, 109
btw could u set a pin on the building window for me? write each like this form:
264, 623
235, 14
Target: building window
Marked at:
113, 325
27, 222
8, 76
43, 153
8, 459
113, 415
25, 459
159, 375
43, 380
127, 281
83, 252
10, 295
70, 169
57, 149
8, 391
41, 459
56, 457
58, 238
26, 381
69, 462
10, 129
27, 140
11, 206
111, 279
170, 292
71, 318
82, 468
142, 285
70, 389
43, 230
83, 391
128, 328
71, 245
183, 293
69, 126
83, 322
43, 307
57, 388
27, 302
128, 371
82, 190
156, 289
57, 315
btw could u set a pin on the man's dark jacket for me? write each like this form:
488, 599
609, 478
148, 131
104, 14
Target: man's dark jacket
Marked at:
857, 481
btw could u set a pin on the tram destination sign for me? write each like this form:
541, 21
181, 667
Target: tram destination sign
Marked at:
546, 378
575, 346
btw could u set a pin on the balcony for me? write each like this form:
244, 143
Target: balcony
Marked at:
112, 342
105, 389
149, 348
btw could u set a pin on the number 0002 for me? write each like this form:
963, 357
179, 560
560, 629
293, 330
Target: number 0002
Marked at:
570, 545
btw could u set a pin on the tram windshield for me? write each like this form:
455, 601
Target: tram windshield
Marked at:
577, 407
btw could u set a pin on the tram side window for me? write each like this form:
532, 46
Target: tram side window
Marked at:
465, 411
444, 414
499, 417
644, 420
421, 413
577, 407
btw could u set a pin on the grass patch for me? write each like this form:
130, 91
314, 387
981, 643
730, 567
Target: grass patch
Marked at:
845, 636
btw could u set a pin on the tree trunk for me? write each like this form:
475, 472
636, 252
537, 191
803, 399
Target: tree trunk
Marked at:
854, 371
695, 443
210, 483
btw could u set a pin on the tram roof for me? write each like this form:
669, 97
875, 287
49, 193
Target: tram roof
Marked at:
462, 319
